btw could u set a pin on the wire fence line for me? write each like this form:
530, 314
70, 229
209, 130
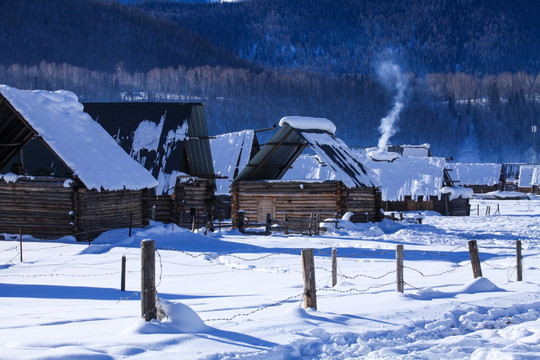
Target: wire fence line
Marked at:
322, 253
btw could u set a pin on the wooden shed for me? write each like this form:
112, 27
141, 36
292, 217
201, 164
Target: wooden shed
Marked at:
257, 190
92, 185
170, 140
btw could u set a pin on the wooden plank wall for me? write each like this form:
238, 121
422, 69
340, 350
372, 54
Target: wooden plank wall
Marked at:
42, 207
46, 208
298, 199
97, 212
192, 193
365, 203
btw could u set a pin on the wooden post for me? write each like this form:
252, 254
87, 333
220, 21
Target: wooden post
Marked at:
148, 280
310, 224
153, 213
399, 268
478, 209
318, 224
268, 223
241, 219
123, 276
130, 222
286, 227
475, 259
308, 264
519, 266
334, 267
20, 243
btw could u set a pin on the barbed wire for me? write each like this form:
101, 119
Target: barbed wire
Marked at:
256, 310
436, 274
367, 276
351, 290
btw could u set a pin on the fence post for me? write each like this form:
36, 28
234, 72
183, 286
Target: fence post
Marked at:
318, 224
334, 267
241, 221
286, 227
148, 280
130, 222
399, 268
478, 209
519, 262
123, 276
475, 259
308, 264
310, 224
20, 243
268, 223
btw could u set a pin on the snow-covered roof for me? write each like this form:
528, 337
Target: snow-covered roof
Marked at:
169, 139
81, 143
405, 176
529, 175
475, 173
278, 154
230, 152
309, 123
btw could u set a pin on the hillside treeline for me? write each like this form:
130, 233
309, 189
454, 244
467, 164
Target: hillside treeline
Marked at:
461, 116
428, 36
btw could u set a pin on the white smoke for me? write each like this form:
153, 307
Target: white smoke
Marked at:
391, 76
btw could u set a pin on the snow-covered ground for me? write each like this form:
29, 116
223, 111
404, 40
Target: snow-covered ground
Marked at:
233, 296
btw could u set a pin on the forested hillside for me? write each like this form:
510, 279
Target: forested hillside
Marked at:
470, 69
473, 36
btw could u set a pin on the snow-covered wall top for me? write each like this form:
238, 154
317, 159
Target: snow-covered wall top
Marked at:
230, 153
529, 175
475, 173
406, 176
86, 148
309, 123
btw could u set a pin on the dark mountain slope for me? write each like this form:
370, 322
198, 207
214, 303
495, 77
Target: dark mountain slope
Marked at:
98, 35
474, 36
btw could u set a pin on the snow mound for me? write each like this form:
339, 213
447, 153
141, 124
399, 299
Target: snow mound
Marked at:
480, 284
457, 192
309, 123
179, 318
382, 155
182, 317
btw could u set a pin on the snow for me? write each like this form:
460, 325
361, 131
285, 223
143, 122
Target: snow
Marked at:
230, 153
337, 155
529, 175
234, 296
456, 192
309, 123
475, 173
86, 148
405, 176
10, 177
382, 155
146, 137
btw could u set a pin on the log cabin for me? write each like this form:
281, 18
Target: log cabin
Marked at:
85, 184
259, 189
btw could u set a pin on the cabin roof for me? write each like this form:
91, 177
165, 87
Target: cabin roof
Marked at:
277, 156
57, 120
167, 138
476, 173
231, 153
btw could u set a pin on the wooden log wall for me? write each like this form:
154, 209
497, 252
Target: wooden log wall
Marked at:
298, 199
191, 193
47, 207
365, 203
42, 207
97, 212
